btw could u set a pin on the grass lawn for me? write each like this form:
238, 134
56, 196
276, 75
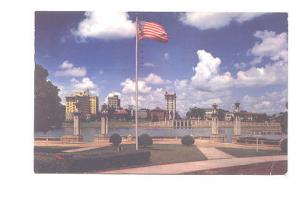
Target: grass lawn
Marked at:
267, 168
160, 153
239, 152
174, 153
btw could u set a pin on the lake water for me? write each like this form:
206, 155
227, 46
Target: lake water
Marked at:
90, 133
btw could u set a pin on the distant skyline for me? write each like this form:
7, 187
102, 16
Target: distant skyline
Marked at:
210, 58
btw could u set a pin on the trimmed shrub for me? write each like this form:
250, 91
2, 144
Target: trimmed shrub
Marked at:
115, 139
284, 145
145, 140
187, 140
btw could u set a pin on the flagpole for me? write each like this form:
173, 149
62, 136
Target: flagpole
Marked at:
136, 86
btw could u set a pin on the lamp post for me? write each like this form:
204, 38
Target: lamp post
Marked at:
237, 120
104, 122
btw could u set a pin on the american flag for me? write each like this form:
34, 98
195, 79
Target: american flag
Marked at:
152, 30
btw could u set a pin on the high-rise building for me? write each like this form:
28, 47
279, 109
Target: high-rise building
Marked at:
114, 102
94, 103
83, 102
70, 107
170, 106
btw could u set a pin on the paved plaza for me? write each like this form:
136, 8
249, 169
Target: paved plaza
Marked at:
179, 168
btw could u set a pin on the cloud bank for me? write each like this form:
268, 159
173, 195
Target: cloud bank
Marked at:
105, 25
209, 20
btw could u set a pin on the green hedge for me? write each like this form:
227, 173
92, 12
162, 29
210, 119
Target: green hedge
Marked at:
80, 164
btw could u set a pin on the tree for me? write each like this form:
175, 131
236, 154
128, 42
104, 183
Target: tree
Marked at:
48, 111
284, 122
195, 112
145, 140
187, 140
116, 140
221, 114
284, 145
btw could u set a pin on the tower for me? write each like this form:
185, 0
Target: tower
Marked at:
214, 120
170, 106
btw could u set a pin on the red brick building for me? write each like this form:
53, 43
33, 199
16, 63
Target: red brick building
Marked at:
157, 114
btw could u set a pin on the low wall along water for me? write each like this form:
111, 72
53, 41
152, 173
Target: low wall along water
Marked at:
90, 133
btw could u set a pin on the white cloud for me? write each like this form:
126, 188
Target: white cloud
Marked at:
68, 69
274, 73
148, 64
128, 86
154, 79
271, 45
76, 85
208, 85
105, 25
270, 102
210, 102
114, 93
149, 96
62, 93
153, 98
207, 76
209, 20
188, 96
83, 84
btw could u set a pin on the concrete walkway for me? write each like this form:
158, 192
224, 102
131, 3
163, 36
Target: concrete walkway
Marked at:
214, 153
178, 168
81, 149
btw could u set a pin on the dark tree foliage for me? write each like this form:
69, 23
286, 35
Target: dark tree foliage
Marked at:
195, 112
48, 111
115, 139
177, 116
221, 114
145, 140
284, 145
284, 122
187, 140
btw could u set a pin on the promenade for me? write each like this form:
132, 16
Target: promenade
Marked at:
187, 167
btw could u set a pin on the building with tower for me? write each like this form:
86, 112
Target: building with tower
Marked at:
170, 106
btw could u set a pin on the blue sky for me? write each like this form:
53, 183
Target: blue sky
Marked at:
210, 57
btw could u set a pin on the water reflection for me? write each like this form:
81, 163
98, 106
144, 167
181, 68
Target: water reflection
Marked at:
90, 133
